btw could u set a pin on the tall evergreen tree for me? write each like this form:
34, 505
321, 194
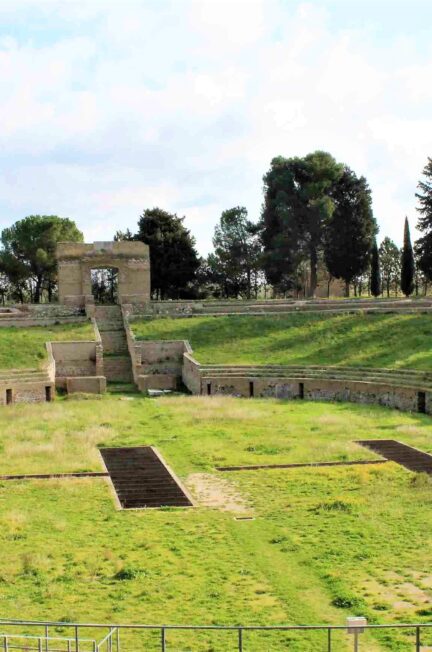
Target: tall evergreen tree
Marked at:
297, 205
407, 263
350, 230
375, 280
173, 257
424, 224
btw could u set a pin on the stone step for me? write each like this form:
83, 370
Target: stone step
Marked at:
118, 368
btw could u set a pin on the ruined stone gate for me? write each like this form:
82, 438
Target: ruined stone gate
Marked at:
76, 260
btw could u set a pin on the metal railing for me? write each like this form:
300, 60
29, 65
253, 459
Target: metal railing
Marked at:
109, 641
47, 643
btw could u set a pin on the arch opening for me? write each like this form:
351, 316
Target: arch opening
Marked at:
104, 285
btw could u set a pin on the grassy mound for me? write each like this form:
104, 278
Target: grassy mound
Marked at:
25, 347
373, 340
324, 543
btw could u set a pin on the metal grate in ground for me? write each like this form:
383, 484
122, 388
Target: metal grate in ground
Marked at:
256, 467
141, 478
394, 451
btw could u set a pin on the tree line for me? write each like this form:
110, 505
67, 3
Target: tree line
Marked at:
316, 223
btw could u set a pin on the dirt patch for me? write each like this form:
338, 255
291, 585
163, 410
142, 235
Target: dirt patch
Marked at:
212, 491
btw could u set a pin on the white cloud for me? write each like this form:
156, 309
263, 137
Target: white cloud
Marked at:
120, 106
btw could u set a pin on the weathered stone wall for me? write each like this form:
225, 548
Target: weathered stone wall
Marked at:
157, 381
86, 385
401, 398
76, 260
161, 356
30, 392
118, 369
191, 374
73, 359
262, 306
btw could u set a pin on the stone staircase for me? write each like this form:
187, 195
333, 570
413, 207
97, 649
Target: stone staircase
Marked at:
116, 358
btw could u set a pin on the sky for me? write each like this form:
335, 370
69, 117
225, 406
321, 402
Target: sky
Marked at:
109, 107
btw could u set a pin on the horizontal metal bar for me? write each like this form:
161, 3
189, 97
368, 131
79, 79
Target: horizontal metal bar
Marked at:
264, 628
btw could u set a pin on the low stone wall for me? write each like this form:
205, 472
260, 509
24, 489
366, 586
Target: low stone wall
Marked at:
191, 374
28, 392
263, 306
73, 359
118, 369
86, 384
400, 398
157, 381
161, 356
44, 314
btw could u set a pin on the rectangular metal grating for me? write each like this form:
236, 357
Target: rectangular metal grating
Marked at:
141, 479
411, 458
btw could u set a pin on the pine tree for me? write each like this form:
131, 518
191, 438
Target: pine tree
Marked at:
424, 244
375, 272
350, 230
408, 265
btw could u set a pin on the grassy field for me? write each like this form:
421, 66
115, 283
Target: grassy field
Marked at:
374, 340
25, 347
324, 543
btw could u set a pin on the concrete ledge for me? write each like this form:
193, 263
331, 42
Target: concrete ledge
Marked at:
86, 384
157, 381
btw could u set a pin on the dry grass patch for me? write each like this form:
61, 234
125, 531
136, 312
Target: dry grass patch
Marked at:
217, 492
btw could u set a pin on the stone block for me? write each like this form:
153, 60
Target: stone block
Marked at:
86, 384
157, 381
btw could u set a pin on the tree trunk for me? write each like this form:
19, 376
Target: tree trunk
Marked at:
38, 287
347, 289
313, 272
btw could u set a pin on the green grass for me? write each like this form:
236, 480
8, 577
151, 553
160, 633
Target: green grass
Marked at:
375, 340
325, 543
25, 347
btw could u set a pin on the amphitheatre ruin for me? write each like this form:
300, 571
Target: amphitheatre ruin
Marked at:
288, 472
114, 355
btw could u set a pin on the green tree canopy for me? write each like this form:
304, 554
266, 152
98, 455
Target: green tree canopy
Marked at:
29, 248
351, 228
237, 250
297, 206
173, 256
424, 224
390, 263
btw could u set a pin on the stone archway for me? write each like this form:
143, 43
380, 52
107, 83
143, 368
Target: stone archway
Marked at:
76, 260
104, 284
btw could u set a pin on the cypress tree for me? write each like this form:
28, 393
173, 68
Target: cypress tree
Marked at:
375, 272
408, 265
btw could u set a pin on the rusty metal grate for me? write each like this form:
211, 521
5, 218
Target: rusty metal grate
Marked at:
141, 478
302, 465
394, 451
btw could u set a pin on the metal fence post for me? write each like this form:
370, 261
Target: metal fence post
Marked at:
39, 644
240, 639
417, 639
356, 641
76, 639
5, 644
118, 640
329, 643
46, 638
163, 646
